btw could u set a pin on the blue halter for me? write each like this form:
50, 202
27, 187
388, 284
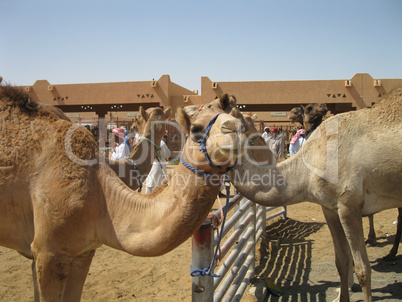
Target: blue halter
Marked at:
203, 148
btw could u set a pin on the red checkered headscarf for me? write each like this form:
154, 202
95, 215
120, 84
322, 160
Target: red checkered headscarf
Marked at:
118, 132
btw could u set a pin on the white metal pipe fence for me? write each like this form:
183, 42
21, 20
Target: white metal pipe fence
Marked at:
237, 252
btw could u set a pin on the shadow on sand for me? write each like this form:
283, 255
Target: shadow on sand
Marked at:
286, 260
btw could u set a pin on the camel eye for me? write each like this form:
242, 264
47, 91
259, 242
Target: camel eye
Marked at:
197, 130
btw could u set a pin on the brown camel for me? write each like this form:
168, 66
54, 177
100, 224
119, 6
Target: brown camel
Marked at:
60, 201
150, 124
351, 166
309, 116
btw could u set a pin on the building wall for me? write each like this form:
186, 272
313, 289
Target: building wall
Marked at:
270, 100
102, 98
278, 97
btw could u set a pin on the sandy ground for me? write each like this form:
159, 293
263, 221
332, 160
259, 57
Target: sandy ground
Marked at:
297, 254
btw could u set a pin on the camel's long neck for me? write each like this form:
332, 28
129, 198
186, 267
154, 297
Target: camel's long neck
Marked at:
143, 156
145, 152
153, 224
271, 185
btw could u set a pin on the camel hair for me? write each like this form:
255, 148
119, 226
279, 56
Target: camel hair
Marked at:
60, 202
351, 166
311, 117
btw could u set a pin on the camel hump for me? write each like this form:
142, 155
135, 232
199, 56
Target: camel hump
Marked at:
12, 96
391, 100
388, 110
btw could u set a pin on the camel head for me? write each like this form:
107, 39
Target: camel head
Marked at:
151, 118
221, 133
296, 115
312, 115
258, 150
225, 103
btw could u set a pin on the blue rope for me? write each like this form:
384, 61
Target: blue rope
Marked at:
208, 271
188, 166
203, 147
203, 142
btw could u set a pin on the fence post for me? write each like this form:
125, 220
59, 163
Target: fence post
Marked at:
285, 213
264, 220
253, 237
202, 254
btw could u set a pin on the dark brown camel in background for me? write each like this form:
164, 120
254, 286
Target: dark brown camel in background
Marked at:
310, 116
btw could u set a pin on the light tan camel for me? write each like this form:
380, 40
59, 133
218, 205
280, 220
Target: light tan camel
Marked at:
311, 117
255, 145
58, 211
150, 124
351, 166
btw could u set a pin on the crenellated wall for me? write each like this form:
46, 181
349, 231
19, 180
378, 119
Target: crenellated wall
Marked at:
271, 100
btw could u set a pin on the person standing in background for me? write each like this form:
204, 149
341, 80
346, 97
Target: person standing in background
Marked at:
127, 140
266, 133
158, 171
275, 143
297, 141
119, 146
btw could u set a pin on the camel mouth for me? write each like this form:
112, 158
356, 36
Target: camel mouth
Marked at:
233, 151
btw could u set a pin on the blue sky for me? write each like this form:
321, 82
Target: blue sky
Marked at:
113, 41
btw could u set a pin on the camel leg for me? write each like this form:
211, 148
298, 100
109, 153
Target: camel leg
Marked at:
76, 278
51, 273
351, 220
343, 257
35, 282
371, 239
394, 250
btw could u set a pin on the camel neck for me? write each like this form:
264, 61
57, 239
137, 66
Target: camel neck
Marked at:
270, 185
142, 157
153, 224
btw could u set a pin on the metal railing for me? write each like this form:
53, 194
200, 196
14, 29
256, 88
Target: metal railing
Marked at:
240, 235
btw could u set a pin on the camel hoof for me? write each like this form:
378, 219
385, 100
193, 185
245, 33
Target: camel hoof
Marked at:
371, 242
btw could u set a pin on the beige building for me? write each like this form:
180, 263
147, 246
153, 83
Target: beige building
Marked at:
116, 102
271, 100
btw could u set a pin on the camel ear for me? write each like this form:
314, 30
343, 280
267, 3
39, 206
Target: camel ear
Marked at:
224, 102
254, 117
191, 110
235, 112
143, 113
303, 109
232, 101
183, 119
167, 112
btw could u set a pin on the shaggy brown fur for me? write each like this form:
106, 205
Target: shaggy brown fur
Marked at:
16, 97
